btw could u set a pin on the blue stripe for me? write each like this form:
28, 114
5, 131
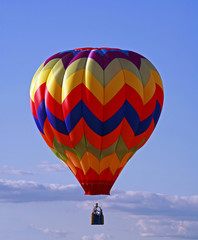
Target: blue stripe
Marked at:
38, 125
41, 115
131, 116
103, 51
56, 123
144, 125
157, 112
74, 117
99, 127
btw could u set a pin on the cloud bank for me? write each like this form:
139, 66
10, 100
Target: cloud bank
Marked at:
30, 191
156, 215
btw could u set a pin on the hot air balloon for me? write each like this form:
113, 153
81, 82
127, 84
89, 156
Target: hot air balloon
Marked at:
95, 107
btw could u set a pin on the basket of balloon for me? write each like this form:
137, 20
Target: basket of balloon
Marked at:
97, 217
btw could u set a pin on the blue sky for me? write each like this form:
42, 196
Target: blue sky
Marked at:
156, 195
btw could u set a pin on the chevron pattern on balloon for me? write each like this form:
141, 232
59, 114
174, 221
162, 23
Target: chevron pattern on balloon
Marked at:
95, 108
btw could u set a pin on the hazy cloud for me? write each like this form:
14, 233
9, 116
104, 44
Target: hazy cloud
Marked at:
168, 228
6, 170
58, 234
101, 236
46, 166
29, 191
154, 204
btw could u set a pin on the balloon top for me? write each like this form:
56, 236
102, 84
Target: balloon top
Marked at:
89, 48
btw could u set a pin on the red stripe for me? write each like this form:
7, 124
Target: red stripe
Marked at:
49, 135
159, 95
134, 99
77, 133
39, 95
114, 104
54, 107
103, 113
32, 106
148, 108
80, 175
127, 133
71, 100
103, 174
117, 173
102, 142
91, 175
92, 103
136, 140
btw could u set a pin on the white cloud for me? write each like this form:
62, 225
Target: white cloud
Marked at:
30, 191
58, 234
6, 170
168, 228
101, 236
48, 167
157, 215
154, 204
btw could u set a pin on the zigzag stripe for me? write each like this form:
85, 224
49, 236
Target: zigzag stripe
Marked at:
103, 94
104, 59
84, 146
81, 110
98, 55
95, 118
41, 121
102, 112
65, 129
103, 76
101, 142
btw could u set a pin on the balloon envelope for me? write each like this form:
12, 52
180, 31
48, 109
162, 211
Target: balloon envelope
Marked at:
95, 108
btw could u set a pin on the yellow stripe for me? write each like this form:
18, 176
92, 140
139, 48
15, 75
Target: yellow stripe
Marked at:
33, 83
69, 83
149, 90
42, 78
85, 163
54, 88
114, 87
90, 161
133, 81
94, 86
71, 166
157, 78
105, 162
74, 159
114, 164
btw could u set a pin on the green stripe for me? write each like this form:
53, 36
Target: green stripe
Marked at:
119, 147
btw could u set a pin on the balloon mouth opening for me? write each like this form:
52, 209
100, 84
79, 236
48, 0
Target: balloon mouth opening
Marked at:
96, 188
89, 48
